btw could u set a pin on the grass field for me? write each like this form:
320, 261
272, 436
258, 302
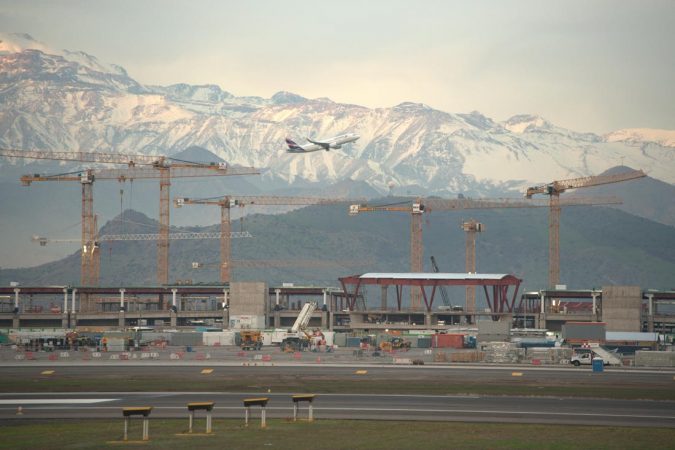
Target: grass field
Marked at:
328, 434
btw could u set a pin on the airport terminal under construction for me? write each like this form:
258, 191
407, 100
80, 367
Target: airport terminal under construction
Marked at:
403, 303
622, 317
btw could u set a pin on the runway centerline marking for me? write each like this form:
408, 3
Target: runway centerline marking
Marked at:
55, 401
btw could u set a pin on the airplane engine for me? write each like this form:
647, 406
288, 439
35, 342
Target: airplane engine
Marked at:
338, 146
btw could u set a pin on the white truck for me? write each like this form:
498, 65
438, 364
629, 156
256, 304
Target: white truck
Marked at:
584, 358
595, 352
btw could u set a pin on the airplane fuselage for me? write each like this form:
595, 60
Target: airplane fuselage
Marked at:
324, 144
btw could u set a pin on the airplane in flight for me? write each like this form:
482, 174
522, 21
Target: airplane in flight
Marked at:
325, 144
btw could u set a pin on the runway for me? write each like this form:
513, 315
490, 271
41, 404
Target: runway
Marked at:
504, 409
388, 404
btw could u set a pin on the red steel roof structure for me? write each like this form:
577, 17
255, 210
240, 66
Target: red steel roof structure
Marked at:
500, 283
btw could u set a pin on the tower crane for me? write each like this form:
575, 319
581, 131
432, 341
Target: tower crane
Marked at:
228, 202
138, 167
418, 206
553, 190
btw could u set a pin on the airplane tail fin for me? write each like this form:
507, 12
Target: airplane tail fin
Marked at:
292, 145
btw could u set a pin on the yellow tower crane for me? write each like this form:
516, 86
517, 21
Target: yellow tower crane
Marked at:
418, 206
553, 190
138, 167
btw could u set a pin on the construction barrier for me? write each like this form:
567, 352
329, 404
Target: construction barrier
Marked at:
404, 361
473, 356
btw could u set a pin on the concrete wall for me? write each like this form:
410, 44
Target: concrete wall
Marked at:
654, 359
586, 331
248, 298
491, 331
621, 308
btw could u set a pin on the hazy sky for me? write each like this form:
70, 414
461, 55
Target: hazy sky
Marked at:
586, 65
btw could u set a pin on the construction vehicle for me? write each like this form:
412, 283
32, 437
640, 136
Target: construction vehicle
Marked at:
251, 340
299, 339
395, 343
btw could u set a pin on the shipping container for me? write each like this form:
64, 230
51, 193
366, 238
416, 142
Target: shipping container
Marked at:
448, 341
424, 342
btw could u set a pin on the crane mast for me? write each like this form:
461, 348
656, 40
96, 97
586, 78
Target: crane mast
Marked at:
471, 227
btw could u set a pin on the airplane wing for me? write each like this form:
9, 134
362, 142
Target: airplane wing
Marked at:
324, 145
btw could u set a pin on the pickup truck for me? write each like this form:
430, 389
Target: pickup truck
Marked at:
585, 358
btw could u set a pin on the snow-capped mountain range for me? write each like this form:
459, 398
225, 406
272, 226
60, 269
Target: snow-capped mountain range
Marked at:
63, 100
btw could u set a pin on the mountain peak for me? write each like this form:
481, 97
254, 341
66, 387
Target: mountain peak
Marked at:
525, 122
412, 106
195, 153
18, 42
287, 98
665, 138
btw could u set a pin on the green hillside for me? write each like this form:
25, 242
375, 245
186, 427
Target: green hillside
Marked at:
599, 246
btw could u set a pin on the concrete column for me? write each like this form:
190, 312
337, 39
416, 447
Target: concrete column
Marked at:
542, 312
226, 299
16, 323
277, 319
278, 293
324, 319
542, 301
650, 317
595, 305
173, 299
325, 293
72, 302
120, 319
64, 310
427, 319
384, 298
174, 308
